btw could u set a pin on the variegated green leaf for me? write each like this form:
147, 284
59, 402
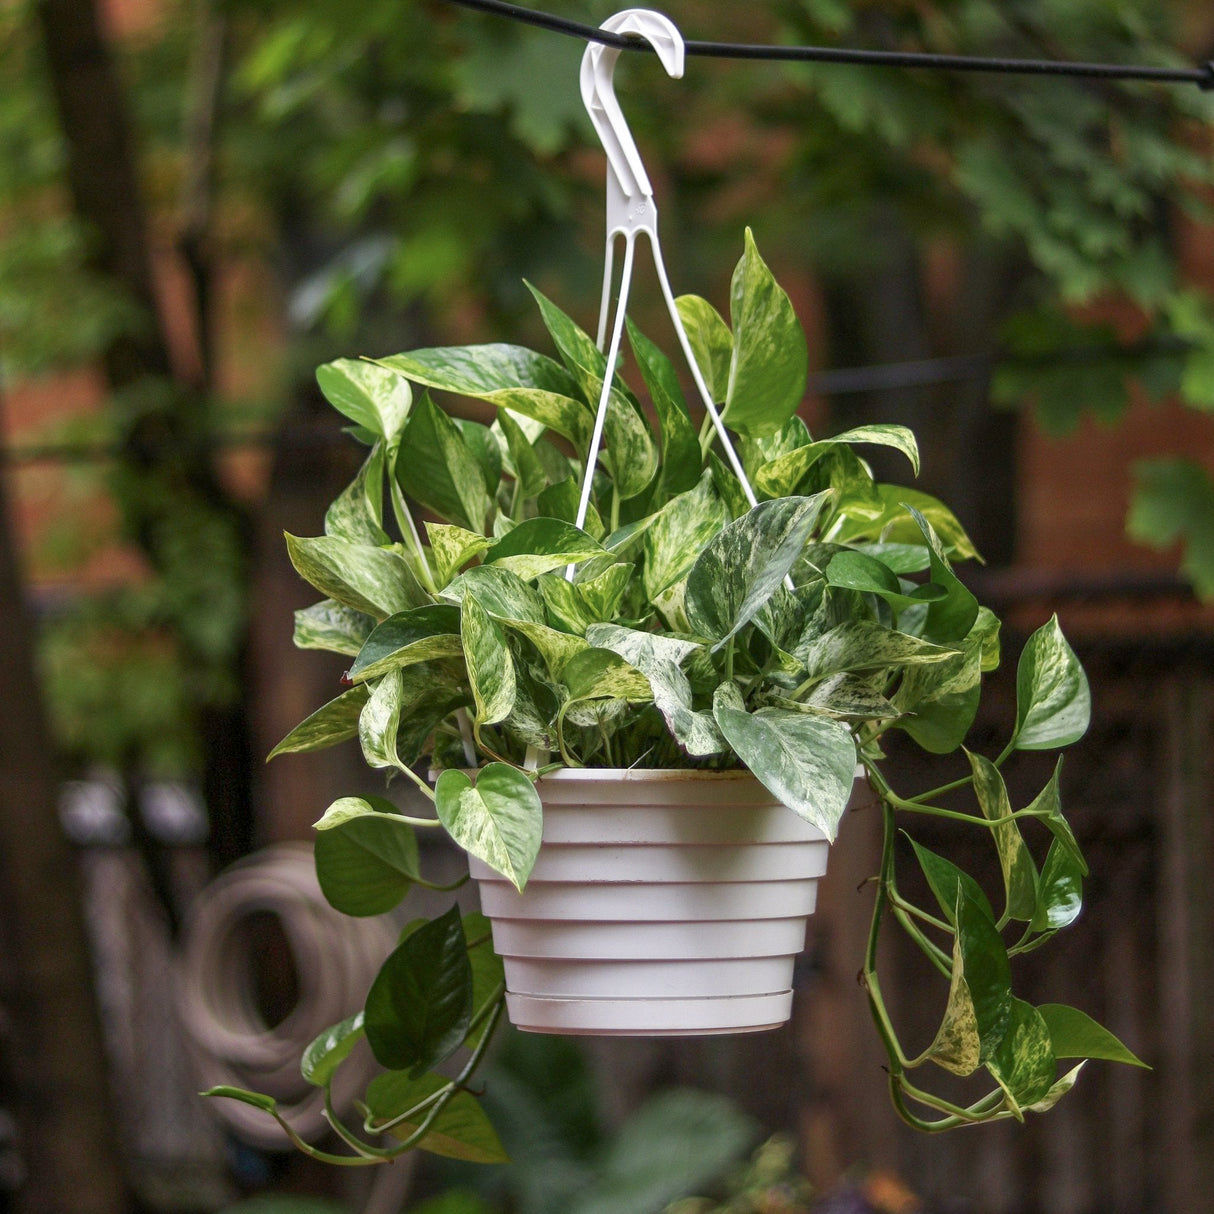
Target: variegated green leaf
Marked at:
525, 464
807, 761
979, 994
480, 371
501, 593
561, 500
483, 444
1057, 1090
1019, 871
681, 459
330, 1049
1053, 703
419, 635
888, 521
376, 581
357, 514
744, 564
490, 667
1048, 804
770, 359
600, 674
950, 617
782, 474
437, 468
941, 699
680, 533
711, 342
848, 698
330, 626
371, 396
499, 819
629, 452
541, 544
1060, 891
948, 883
554, 646
379, 722
451, 548
333, 723
863, 645
1023, 1063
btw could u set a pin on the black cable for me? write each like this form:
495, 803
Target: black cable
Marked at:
1202, 76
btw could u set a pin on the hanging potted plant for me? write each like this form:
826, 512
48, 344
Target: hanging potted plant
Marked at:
644, 730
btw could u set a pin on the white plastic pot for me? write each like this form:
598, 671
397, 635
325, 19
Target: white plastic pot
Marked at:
663, 903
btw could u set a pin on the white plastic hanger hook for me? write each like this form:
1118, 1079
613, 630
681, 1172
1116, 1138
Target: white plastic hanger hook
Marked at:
630, 203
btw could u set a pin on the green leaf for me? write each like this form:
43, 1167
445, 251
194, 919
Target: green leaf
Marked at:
941, 699
490, 667
483, 444
1057, 1091
330, 626
375, 581
1019, 871
335, 722
1053, 703
1060, 895
438, 469
460, 1131
744, 564
980, 995
950, 617
770, 359
510, 377
541, 544
501, 593
357, 514
1173, 502
782, 474
658, 657
629, 452
267, 1104
525, 463
847, 698
711, 342
679, 533
371, 396
1048, 803
889, 521
366, 856
330, 1049
681, 459
852, 570
420, 1003
488, 973
561, 500
863, 645
379, 722
600, 674
807, 761
1074, 1034
1023, 1063
451, 548
948, 883
499, 819
419, 635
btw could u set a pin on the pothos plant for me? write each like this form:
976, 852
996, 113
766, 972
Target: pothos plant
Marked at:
678, 626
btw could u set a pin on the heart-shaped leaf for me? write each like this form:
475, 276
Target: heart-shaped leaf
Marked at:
1023, 1064
420, 1003
770, 359
745, 562
681, 459
357, 514
540, 544
1019, 871
711, 342
366, 856
330, 1049
499, 819
330, 626
376, 581
807, 761
1053, 703
679, 533
371, 396
437, 468
490, 667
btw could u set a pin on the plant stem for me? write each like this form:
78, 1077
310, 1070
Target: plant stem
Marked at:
408, 528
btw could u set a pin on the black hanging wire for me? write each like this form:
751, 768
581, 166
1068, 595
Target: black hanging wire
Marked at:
1202, 76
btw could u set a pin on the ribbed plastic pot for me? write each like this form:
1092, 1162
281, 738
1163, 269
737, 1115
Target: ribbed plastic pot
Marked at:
663, 903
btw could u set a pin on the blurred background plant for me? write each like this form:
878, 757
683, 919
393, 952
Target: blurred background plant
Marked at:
202, 199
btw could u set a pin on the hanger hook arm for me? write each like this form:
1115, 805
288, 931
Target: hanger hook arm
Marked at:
629, 192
